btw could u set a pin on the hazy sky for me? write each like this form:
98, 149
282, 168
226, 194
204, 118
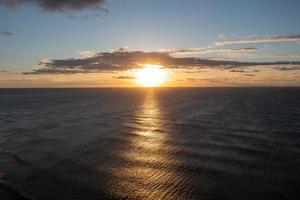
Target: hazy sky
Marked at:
102, 37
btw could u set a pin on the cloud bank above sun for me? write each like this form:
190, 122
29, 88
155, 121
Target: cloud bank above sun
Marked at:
122, 60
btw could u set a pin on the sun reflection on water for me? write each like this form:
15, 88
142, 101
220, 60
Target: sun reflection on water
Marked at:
149, 173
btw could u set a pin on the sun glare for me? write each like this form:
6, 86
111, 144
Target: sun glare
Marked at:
151, 76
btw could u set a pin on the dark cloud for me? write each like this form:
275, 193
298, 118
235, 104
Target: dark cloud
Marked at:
123, 77
56, 71
6, 33
245, 49
121, 60
56, 5
238, 70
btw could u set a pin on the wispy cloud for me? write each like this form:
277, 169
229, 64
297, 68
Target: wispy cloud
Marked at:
290, 38
123, 77
237, 70
287, 68
122, 60
6, 33
206, 50
249, 75
56, 5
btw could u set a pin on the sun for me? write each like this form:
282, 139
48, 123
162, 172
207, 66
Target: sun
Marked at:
151, 76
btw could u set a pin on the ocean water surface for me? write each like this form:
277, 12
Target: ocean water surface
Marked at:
201, 143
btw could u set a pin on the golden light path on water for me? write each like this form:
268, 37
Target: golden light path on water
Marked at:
150, 173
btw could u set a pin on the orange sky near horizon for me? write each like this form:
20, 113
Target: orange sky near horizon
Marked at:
176, 78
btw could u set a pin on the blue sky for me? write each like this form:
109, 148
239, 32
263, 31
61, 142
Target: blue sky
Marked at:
148, 26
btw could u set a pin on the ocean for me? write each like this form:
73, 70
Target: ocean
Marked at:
161, 143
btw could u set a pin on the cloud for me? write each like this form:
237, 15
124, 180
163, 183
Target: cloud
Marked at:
192, 79
56, 5
87, 54
195, 71
206, 50
127, 60
237, 70
287, 68
123, 77
291, 38
247, 49
56, 71
6, 33
249, 75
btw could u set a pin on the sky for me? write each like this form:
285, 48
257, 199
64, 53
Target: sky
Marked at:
97, 43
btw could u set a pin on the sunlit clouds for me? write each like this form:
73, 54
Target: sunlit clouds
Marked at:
116, 61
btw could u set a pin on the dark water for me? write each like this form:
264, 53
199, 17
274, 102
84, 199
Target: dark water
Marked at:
229, 143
